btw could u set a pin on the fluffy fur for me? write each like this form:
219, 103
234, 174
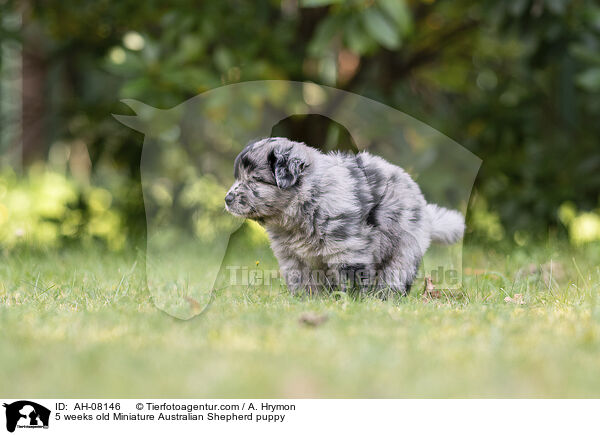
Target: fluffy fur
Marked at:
338, 219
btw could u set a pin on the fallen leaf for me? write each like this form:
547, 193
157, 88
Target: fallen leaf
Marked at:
312, 319
516, 299
430, 291
194, 304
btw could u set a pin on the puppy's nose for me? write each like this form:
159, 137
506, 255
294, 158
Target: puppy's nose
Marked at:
229, 199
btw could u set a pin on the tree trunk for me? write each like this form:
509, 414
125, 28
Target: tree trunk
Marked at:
34, 98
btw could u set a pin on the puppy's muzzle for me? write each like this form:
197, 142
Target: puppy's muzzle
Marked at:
229, 198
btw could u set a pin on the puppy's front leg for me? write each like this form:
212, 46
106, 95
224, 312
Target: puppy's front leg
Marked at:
297, 275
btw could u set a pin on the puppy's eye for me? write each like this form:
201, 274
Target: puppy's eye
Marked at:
260, 180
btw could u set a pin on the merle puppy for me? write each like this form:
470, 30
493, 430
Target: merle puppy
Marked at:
338, 219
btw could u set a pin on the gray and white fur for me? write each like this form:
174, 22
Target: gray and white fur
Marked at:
338, 219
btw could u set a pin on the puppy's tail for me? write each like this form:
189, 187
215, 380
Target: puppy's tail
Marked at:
447, 226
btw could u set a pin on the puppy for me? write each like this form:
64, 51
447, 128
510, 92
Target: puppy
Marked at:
338, 220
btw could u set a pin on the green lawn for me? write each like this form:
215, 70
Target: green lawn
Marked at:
80, 323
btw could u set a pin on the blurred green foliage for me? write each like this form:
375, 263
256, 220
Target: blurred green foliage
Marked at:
48, 209
517, 83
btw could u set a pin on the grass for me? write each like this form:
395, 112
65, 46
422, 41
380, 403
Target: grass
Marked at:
80, 323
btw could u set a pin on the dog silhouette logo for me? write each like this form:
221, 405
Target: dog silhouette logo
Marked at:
26, 414
186, 169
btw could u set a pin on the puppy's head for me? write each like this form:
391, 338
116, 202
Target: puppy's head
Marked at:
267, 174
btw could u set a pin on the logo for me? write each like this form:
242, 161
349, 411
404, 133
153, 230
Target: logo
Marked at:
26, 414
202, 136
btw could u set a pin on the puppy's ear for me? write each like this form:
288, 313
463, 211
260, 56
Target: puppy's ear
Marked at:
286, 169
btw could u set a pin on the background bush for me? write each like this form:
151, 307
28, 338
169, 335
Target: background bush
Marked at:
517, 83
